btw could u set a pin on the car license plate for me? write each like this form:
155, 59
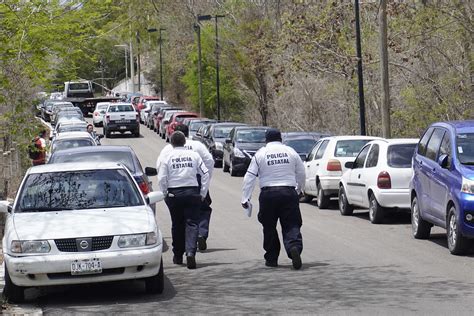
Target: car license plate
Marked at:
87, 266
123, 127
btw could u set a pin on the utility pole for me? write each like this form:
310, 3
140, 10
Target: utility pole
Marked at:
359, 70
386, 130
161, 66
138, 60
132, 61
198, 32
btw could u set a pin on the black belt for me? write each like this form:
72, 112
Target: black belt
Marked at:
182, 188
277, 188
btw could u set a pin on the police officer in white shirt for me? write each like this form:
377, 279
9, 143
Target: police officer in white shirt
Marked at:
205, 214
177, 177
281, 175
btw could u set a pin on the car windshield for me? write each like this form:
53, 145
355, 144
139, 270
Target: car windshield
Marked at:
465, 148
71, 143
194, 126
250, 136
301, 145
349, 147
75, 190
72, 128
121, 108
399, 156
122, 157
222, 132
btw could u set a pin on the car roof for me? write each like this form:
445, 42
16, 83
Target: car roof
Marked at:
351, 137
104, 148
71, 121
120, 103
466, 126
72, 135
185, 113
303, 135
74, 166
395, 141
246, 127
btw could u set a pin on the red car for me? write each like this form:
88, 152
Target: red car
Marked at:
176, 120
140, 104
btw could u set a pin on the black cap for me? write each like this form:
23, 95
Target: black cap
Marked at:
183, 128
273, 135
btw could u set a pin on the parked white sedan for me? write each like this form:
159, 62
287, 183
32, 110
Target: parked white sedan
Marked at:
379, 178
325, 165
99, 112
80, 223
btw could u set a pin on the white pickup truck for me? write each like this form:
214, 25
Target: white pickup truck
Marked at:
121, 117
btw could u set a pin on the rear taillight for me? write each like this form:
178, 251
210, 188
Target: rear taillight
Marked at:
384, 181
144, 187
334, 165
107, 118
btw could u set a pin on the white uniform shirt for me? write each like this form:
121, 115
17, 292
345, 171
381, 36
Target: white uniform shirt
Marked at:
179, 169
275, 165
194, 146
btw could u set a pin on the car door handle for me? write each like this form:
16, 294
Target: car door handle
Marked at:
307, 166
317, 164
358, 177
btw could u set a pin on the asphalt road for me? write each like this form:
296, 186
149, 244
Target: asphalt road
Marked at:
350, 266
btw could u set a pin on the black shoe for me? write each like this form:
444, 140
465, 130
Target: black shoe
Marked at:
272, 264
191, 262
296, 258
177, 259
202, 245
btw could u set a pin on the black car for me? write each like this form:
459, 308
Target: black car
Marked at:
120, 154
241, 145
302, 142
155, 109
195, 124
214, 138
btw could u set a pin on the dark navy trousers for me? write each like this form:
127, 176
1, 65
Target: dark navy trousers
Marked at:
205, 217
280, 203
184, 205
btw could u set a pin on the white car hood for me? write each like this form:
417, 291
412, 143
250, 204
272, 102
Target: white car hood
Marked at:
83, 223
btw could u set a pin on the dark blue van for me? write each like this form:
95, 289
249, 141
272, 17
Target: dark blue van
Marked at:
442, 188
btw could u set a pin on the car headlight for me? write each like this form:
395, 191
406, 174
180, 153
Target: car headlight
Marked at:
238, 153
467, 186
30, 246
219, 146
137, 240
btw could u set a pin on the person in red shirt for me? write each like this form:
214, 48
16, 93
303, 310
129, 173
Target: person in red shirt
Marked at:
40, 143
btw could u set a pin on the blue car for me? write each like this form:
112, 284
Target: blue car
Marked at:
442, 188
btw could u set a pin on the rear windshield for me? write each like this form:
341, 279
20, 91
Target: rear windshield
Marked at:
222, 132
121, 108
122, 157
349, 148
79, 86
72, 128
250, 136
180, 118
102, 106
71, 143
301, 145
399, 156
194, 126
57, 191
465, 148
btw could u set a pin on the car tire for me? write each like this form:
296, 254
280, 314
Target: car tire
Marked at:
13, 293
225, 167
323, 200
106, 133
305, 198
457, 243
156, 284
420, 228
217, 164
376, 212
137, 133
345, 208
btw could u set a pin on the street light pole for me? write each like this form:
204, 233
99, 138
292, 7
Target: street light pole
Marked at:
218, 96
198, 32
161, 67
359, 70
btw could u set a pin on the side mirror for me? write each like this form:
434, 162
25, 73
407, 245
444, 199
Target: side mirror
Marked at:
150, 171
228, 141
349, 165
5, 207
443, 161
155, 196
100, 135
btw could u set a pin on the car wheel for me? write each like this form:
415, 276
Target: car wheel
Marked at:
376, 212
232, 171
137, 133
420, 228
13, 293
225, 167
106, 133
344, 207
323, 200
218, 164
305, 198
156, 284
457, 243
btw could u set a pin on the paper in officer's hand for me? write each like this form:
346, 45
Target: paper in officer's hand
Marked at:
248, 210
